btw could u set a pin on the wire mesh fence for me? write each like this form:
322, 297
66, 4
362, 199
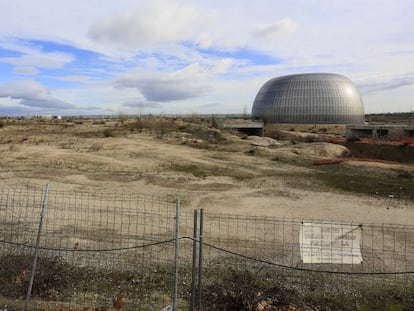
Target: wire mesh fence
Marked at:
352, 265
96, 250
116, 251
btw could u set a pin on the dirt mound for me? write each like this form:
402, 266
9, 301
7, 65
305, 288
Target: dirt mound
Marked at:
263, 141
321, 149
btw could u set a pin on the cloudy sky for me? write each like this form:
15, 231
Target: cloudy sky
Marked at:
166, 56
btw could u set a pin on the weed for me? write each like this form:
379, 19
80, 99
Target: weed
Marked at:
253, 287
137, 124
275, 134
52, 277
95, 147
190, 169
108, 133
359, 182
309, 139
14, 148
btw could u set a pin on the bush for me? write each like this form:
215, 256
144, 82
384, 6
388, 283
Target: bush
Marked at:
275, 134
137, 124
309, 139
108, 133
190, 169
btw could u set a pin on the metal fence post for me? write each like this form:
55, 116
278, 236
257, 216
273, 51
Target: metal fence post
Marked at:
200, 260
36, 251
177, 236
194, 265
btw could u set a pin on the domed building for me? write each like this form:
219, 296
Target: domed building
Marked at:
310, 98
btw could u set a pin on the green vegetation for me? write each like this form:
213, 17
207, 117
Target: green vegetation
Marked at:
203, 171
398, 184
189, 169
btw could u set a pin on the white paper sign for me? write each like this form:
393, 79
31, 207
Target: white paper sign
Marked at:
324, 242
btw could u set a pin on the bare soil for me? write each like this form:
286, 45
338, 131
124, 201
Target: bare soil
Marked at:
217, 171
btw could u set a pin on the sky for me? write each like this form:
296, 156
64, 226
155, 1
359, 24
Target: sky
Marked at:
93, 57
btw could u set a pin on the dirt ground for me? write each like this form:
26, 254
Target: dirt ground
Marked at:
217, 171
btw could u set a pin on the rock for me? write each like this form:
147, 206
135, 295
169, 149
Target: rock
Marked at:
321, 150
263, 141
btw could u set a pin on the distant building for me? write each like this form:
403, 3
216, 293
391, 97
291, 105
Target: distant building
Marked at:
310, 98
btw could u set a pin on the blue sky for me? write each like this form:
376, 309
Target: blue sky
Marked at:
166, 56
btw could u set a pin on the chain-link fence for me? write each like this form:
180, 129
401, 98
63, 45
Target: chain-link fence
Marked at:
113, 251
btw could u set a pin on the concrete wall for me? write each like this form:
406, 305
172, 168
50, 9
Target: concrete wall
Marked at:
378, 131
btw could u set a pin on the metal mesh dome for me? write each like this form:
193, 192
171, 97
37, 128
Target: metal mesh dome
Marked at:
309, 98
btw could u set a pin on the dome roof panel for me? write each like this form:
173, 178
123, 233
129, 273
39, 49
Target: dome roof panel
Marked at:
309, 98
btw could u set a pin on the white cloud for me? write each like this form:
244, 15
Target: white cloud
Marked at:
386, 82
189, 82
74, 78
156, 22
31, 94
165, 87
25, 70
204, 40
222, 66
138, 105
173, 50
33, 58
29, 64
275, 30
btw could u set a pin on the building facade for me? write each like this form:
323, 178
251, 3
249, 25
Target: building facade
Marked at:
311, 98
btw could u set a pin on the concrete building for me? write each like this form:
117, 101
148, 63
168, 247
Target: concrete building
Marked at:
383, 131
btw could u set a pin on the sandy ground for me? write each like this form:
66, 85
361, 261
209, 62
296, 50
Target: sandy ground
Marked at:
243, 176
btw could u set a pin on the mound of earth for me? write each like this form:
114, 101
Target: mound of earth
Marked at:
263, 141
320, 149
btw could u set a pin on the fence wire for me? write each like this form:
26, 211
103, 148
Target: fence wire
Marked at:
96, 250
273, 250
102, 251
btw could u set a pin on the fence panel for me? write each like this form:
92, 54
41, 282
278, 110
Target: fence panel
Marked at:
102, 251
96, 251
348, 264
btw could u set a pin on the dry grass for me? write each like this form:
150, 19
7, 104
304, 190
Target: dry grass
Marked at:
209, 169
162, 155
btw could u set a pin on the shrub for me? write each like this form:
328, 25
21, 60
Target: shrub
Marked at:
190, 169
108, 133
309, 139
137, 124
275, 134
